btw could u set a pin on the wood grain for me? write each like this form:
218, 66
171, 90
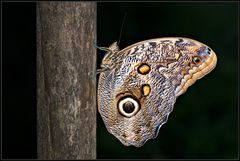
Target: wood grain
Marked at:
66, 82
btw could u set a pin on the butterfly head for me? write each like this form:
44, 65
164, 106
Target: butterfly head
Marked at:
108, 60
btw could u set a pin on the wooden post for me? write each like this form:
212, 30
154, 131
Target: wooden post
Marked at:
66, 82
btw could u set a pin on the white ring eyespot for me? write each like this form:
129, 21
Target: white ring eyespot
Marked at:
128, 106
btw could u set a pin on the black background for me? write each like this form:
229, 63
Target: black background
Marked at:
19, 80
204, 122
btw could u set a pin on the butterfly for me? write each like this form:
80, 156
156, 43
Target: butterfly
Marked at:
139, 84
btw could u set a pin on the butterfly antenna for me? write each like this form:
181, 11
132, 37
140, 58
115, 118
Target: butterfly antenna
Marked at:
101, 48
125, 14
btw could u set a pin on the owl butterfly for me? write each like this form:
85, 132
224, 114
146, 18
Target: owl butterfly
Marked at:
138, 85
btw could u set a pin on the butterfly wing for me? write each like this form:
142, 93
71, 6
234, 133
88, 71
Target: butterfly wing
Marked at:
138, 92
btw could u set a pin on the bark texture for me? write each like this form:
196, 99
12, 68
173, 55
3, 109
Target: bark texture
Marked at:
66, 82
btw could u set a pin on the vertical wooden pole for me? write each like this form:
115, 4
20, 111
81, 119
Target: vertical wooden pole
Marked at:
66, 85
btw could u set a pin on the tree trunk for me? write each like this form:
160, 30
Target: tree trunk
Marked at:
66, 82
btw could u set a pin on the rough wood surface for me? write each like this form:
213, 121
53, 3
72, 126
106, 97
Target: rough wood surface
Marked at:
66, 82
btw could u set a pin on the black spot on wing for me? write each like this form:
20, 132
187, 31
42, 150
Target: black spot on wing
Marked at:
178, 41
166, 41
153, 44
135, 49
208, 51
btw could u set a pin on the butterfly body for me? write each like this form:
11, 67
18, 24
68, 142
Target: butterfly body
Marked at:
140, 84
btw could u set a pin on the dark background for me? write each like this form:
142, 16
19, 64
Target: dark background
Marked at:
19, 80
204, 122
